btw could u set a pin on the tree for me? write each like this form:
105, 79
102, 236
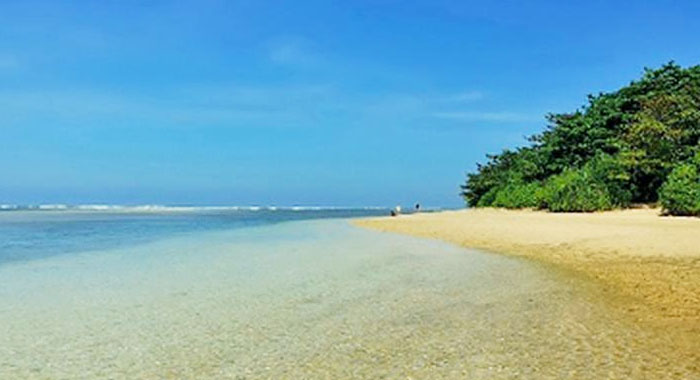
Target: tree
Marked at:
627, 141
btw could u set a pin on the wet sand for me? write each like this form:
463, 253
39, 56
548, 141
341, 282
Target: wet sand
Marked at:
316, 300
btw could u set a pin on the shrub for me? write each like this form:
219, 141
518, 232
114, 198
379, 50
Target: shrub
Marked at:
575, 191
612, 173
517, 195
680, 194
544, 194
487, 199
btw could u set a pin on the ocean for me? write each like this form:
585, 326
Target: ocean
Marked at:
290, 294
35, 232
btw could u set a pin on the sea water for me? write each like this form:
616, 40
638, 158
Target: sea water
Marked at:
32, 232
292, 294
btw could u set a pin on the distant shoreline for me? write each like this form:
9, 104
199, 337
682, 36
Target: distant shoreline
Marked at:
650, 260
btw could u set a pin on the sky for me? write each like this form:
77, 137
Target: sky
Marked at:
332, 103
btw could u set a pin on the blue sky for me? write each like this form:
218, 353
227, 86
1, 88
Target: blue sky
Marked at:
300, 102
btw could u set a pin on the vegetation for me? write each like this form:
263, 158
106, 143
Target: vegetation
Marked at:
680, 194
517, 195
634, 145
575, 190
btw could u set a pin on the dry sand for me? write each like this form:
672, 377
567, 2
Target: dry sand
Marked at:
650, 265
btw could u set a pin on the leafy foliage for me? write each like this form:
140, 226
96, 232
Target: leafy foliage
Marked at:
517, 195
623, 144
680, 194
508, 167
611, 173
576, 191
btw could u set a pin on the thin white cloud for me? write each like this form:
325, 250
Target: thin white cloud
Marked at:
403, 110
422, 104
8, 61
464, 97
485, 116
293, 51
224, 105
232, 94
231, 105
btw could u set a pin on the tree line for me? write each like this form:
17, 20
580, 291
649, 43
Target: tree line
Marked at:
639, 144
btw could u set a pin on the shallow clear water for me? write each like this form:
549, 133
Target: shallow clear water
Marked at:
310, 299
33, 234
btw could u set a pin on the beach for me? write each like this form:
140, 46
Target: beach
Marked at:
649, 264
309, 299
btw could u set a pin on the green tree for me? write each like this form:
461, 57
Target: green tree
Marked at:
680, 194
576, 191
517, 195
624, 143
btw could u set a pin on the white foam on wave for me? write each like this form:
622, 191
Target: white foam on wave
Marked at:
53, 207
164, 208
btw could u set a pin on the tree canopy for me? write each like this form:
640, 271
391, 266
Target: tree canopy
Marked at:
618, 149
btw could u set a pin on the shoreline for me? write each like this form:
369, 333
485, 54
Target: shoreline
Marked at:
319, 299
649, 264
